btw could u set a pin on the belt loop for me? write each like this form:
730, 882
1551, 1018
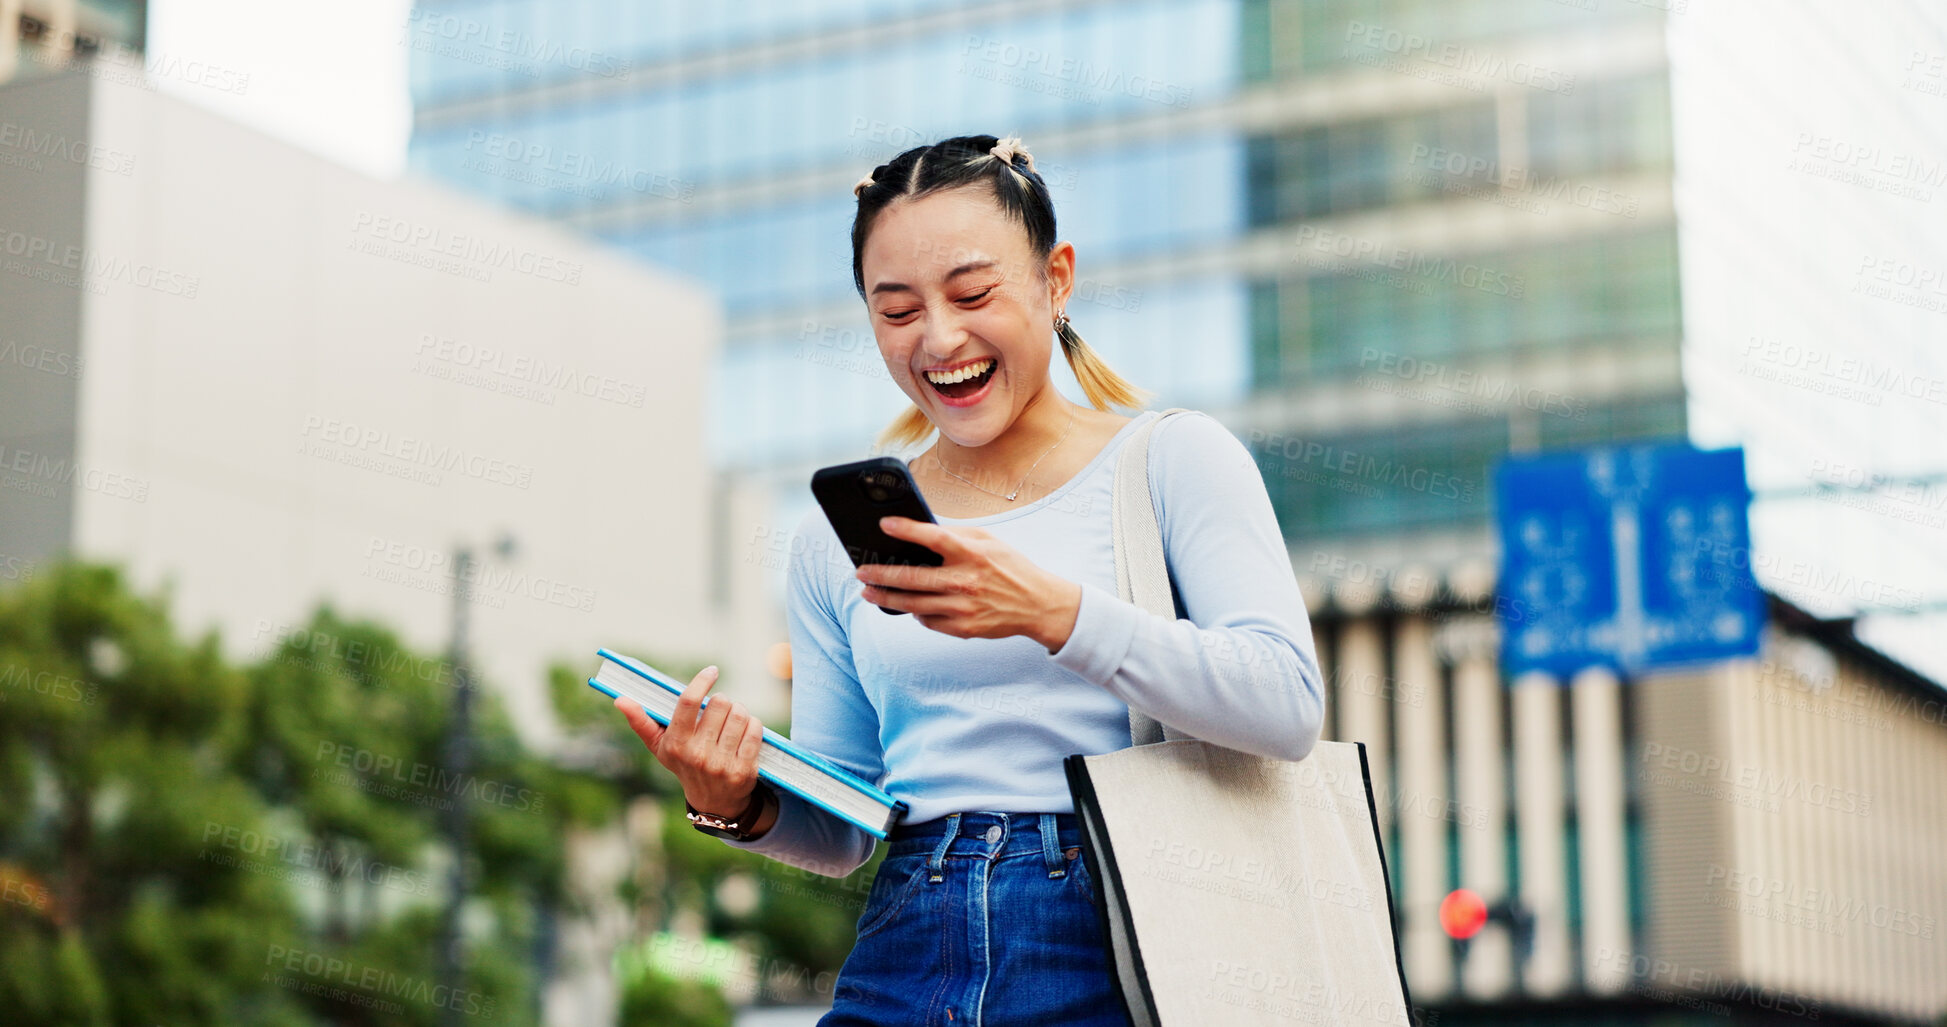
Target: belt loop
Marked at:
1051, 847
936, 871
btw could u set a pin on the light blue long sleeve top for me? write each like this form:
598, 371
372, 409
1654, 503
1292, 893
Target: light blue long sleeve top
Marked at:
950, 724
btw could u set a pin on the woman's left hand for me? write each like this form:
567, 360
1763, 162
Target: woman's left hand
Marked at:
985, 589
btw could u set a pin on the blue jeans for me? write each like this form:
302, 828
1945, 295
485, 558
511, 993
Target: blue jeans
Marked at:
980, 918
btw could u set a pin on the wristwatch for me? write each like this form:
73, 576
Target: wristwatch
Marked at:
737, 828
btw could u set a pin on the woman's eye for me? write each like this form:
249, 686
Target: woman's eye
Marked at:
899, 316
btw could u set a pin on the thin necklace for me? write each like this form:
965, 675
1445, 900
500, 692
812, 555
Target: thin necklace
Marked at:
1024, 478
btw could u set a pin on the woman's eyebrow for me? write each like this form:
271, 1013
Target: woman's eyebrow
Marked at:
978, 265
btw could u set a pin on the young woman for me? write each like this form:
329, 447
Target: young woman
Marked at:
1016, 651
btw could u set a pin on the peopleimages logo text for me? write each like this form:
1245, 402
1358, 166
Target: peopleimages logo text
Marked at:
90, 266
520, 367
1031, 60
435, 240
417, 452
466, 31
24, 138
574, 164
377, 766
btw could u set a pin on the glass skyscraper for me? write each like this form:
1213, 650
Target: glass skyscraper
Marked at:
726, 148
1450, 224
1217, 165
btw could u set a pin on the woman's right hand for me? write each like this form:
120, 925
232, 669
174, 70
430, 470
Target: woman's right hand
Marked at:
711, 749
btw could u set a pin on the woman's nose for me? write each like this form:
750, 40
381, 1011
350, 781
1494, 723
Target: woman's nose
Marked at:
944, 333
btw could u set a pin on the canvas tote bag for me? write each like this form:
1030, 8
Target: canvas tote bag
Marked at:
1234, 889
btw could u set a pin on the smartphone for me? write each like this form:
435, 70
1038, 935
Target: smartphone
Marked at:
854, 496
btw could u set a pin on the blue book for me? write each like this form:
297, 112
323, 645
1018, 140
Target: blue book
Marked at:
818, 780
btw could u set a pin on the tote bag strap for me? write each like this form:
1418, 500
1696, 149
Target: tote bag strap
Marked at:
1141, 573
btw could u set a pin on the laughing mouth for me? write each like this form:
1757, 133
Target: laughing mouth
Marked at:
963, 381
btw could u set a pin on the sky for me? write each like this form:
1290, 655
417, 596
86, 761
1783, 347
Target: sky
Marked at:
330, 78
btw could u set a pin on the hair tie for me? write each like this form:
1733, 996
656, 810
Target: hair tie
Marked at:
1011, 147
858, 191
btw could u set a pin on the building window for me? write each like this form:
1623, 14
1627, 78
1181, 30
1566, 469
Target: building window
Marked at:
1290, 37
1425, 476
1610, 290
1454, 153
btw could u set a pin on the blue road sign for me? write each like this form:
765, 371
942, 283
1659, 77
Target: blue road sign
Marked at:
1632, 558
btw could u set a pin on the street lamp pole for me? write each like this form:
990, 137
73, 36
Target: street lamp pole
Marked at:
458, 759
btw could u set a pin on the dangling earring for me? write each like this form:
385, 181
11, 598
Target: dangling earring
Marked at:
1062, 330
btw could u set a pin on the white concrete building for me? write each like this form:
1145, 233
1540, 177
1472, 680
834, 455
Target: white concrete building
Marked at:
269, 381
1760, 834
264, 381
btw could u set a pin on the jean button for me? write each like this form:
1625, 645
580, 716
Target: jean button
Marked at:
994, 834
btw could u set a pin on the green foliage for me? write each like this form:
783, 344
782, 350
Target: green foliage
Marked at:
652, 999
121, 745
182, 841
612, 758
803, 924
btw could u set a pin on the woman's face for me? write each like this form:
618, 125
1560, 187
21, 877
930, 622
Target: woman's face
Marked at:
953, 287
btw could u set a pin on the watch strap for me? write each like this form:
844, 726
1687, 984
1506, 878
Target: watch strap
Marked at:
737, 827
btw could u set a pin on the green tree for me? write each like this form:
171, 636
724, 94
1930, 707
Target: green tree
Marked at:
118, 745
346, 731
187, 841
183, 841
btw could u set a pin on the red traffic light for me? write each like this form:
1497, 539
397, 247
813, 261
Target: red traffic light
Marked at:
1462, 913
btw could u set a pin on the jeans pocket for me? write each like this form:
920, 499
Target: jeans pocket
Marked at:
896, 880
